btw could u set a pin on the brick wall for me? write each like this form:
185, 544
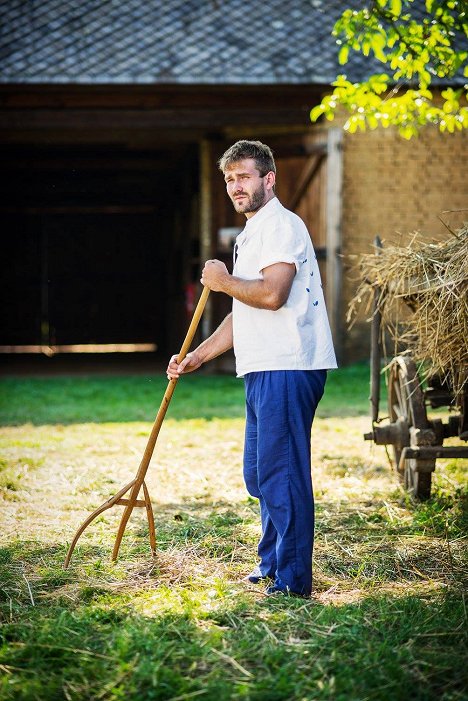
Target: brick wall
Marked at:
394, 187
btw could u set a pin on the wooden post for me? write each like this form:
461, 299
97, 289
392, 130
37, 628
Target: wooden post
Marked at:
333, 265
375, 347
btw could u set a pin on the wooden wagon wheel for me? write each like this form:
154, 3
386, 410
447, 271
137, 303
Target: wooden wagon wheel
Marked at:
407, 409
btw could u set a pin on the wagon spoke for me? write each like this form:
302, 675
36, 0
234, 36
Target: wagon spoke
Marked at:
406, 401
401, 403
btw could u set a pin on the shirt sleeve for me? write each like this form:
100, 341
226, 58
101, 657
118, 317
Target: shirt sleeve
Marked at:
282, 244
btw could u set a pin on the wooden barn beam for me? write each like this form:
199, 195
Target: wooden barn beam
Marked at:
134, 119
333, 214
310, 170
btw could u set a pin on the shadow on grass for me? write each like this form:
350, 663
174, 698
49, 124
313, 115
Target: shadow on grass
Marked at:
97, 399
86, 634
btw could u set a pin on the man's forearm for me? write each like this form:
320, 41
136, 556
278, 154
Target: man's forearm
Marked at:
219, 342
255, 293
270, 291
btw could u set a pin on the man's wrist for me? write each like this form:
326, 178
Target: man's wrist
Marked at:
228, 285
200, 356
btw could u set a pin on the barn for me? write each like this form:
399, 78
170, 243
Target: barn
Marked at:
112, 118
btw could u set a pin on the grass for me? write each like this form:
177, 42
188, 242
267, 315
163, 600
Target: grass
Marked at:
107, 398
388, 618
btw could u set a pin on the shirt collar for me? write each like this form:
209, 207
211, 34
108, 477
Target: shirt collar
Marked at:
255, 222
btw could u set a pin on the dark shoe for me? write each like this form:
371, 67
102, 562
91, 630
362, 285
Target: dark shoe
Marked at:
256, 576
274, 590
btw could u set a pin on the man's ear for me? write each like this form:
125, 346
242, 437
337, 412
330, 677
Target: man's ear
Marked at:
270, 180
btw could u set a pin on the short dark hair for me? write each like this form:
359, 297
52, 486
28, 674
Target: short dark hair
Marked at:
261, 153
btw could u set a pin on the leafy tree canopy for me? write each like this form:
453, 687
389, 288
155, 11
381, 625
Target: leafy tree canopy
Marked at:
415, 46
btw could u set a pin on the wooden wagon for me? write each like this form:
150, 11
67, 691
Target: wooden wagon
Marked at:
416, 440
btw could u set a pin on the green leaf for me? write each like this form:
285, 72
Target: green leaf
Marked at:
385, 121
317, 112
378, 83
341, 81
407, 132
343, 54
448, 94
378, 44
395, 7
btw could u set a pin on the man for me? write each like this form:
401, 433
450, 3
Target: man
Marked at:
283, 347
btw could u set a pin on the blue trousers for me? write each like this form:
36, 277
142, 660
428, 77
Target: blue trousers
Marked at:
280, 408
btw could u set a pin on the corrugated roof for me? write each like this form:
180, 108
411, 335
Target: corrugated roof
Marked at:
172, 42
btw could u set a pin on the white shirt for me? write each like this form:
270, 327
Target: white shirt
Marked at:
297, 336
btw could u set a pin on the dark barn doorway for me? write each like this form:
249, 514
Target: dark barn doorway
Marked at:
98, 246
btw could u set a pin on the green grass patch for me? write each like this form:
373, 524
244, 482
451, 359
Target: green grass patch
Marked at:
108, 398
94, 632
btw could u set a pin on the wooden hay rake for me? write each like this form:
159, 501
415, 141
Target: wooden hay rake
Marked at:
138, 482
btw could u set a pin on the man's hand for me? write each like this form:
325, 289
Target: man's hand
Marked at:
219, 342
215, 275
270, 291
190, 363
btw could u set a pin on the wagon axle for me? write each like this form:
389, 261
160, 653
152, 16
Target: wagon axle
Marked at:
398, 432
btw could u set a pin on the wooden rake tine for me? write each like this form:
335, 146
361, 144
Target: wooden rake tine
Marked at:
138, 481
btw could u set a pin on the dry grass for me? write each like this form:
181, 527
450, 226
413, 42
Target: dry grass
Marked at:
195, 480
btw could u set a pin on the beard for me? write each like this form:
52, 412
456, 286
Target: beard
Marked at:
252, 202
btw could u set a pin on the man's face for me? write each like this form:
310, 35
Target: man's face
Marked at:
245, 186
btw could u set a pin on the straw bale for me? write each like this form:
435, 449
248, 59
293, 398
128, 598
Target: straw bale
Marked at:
431, 281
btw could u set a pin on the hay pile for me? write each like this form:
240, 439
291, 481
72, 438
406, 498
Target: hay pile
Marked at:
432, 281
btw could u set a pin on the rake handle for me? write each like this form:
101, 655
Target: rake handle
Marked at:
171, 387
197, 314
147, 455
